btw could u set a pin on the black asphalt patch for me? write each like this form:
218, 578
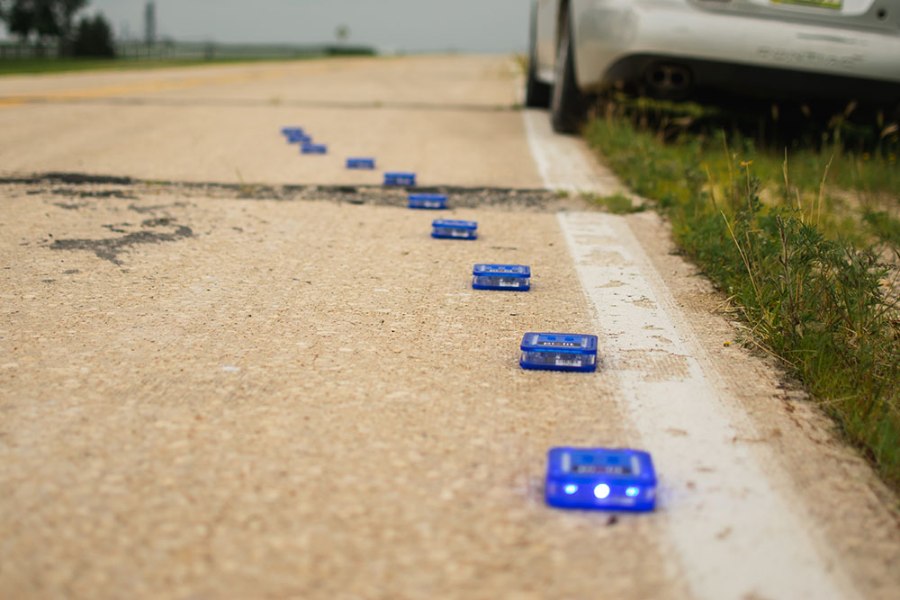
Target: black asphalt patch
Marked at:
87, 186
81, 193
110, 248
65, 178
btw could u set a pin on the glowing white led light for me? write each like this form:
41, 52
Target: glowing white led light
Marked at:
570, 489
602, 491
632, 492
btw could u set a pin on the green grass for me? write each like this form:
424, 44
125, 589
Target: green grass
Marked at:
65, 65
883, 226
617, 204
797, 241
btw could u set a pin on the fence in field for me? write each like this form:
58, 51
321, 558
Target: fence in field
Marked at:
189, 51
17, 51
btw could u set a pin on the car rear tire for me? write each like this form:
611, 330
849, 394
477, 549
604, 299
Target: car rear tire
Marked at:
567, 105
537, 94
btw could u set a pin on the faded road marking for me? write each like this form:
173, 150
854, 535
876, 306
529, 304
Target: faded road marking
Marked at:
562, 161
143, 87
10, 102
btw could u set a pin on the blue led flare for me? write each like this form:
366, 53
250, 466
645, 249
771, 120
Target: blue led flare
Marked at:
295, 135
400, 179
452, 229
600, 479
310, 148
428, 201
559, 352
505, 278
361, 164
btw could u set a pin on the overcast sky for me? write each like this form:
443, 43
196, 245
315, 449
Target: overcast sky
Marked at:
390, 25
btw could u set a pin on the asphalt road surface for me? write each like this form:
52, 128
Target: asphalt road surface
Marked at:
231, 371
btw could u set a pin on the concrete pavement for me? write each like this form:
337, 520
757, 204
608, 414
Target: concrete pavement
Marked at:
420, 114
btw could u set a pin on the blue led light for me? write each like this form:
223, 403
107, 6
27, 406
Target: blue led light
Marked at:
601, 492
600, 479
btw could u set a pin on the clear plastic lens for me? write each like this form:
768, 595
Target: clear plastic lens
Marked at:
512, 283
432, 201
462, 234
560, 359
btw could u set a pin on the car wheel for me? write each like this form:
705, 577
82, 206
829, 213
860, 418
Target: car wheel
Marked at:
567, 105
537, 94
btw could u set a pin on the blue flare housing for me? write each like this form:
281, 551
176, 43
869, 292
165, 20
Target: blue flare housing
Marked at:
600, 479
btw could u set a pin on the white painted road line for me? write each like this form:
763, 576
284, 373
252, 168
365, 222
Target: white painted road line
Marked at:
735, 535
562, 161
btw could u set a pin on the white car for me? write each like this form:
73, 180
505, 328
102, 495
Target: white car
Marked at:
805, 50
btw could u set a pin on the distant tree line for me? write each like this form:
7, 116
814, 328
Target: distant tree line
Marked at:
44, 20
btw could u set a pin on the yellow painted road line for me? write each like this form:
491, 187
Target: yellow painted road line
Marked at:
9, 102
145, 87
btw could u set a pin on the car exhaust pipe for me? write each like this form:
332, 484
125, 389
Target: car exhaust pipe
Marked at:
669, 80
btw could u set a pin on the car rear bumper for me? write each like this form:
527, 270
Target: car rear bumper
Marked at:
716, 79
616, 40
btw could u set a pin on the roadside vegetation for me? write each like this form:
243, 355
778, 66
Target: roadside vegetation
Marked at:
223, 55
64, 65
801, 232
40, 21
55, 36
617, 204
